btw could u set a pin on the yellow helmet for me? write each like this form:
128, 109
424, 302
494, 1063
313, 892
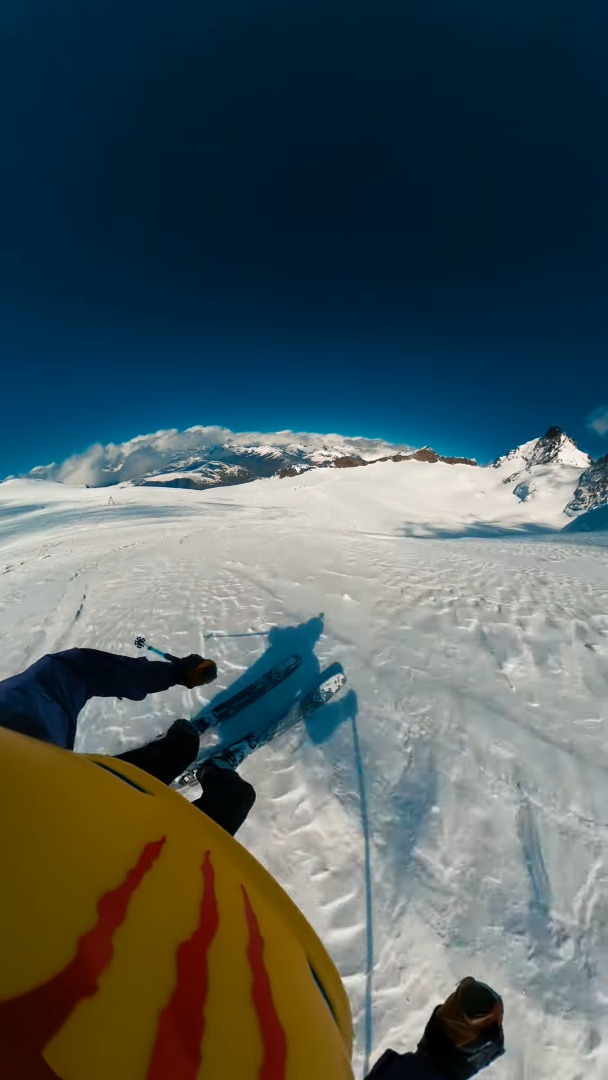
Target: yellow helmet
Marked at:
140, 942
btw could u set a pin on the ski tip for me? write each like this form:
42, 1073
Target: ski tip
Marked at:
329, 672
333, 683
329, 686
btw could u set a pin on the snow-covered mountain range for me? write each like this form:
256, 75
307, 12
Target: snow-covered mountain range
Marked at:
550, 468
203, 457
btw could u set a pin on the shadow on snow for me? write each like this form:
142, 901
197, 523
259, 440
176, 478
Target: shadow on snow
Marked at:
273, 706
477, 530
302, 639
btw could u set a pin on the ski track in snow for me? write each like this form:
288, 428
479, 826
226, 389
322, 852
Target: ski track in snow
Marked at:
474, 726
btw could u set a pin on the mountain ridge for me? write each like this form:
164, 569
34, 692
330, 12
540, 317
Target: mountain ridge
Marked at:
207, 457
200, 458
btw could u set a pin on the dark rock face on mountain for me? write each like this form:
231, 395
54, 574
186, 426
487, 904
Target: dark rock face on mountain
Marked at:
592, 490
426, 454
221, 477
459, 461
348, 463
292, 470
548, 447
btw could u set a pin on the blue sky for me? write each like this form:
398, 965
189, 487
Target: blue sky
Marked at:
377, 219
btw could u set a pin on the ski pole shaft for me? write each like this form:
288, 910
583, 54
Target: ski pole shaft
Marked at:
166, 655
141, 643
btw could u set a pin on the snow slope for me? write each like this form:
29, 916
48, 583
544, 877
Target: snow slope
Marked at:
447, 816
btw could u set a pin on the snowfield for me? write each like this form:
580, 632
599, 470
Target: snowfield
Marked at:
448, 814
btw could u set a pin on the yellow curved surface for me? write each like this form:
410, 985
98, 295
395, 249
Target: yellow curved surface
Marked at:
141, 942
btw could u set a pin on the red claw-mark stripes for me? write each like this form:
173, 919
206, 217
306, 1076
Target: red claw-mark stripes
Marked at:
29, 1022
274, 1040
179, 1039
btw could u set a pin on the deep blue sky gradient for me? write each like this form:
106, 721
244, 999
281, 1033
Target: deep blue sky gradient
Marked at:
377, 218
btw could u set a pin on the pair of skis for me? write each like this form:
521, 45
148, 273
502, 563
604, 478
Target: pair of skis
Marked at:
330, 682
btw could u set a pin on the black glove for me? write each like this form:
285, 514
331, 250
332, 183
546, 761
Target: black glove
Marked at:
194, 670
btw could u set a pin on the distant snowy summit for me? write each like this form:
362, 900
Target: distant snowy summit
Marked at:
526, 471
554, 448
210, 457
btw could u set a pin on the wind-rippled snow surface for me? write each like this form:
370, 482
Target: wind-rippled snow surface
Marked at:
448, 815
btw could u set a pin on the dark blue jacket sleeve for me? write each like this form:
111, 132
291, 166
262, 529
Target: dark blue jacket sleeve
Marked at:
44, 700
104, 674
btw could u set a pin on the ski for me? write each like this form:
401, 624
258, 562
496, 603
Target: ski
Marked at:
212, 715
331, 682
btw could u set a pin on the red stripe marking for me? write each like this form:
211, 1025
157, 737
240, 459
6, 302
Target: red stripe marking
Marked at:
178, 1049
28, 1023
273, 1035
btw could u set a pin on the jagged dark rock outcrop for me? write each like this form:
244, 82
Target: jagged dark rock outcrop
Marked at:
348, 463
427, 454
459, 461
592, 490
548, 447
292, 470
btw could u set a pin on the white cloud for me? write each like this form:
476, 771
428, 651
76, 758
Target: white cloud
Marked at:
598, 421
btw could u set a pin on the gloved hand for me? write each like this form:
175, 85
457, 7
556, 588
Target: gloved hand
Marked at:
465, 1034
194, 670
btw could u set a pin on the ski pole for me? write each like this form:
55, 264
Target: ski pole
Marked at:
141, 643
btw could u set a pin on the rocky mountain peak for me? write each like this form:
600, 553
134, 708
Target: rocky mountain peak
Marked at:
559, 447
555, 447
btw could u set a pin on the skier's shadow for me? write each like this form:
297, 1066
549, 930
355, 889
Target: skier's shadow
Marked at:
282, 642
302, 639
